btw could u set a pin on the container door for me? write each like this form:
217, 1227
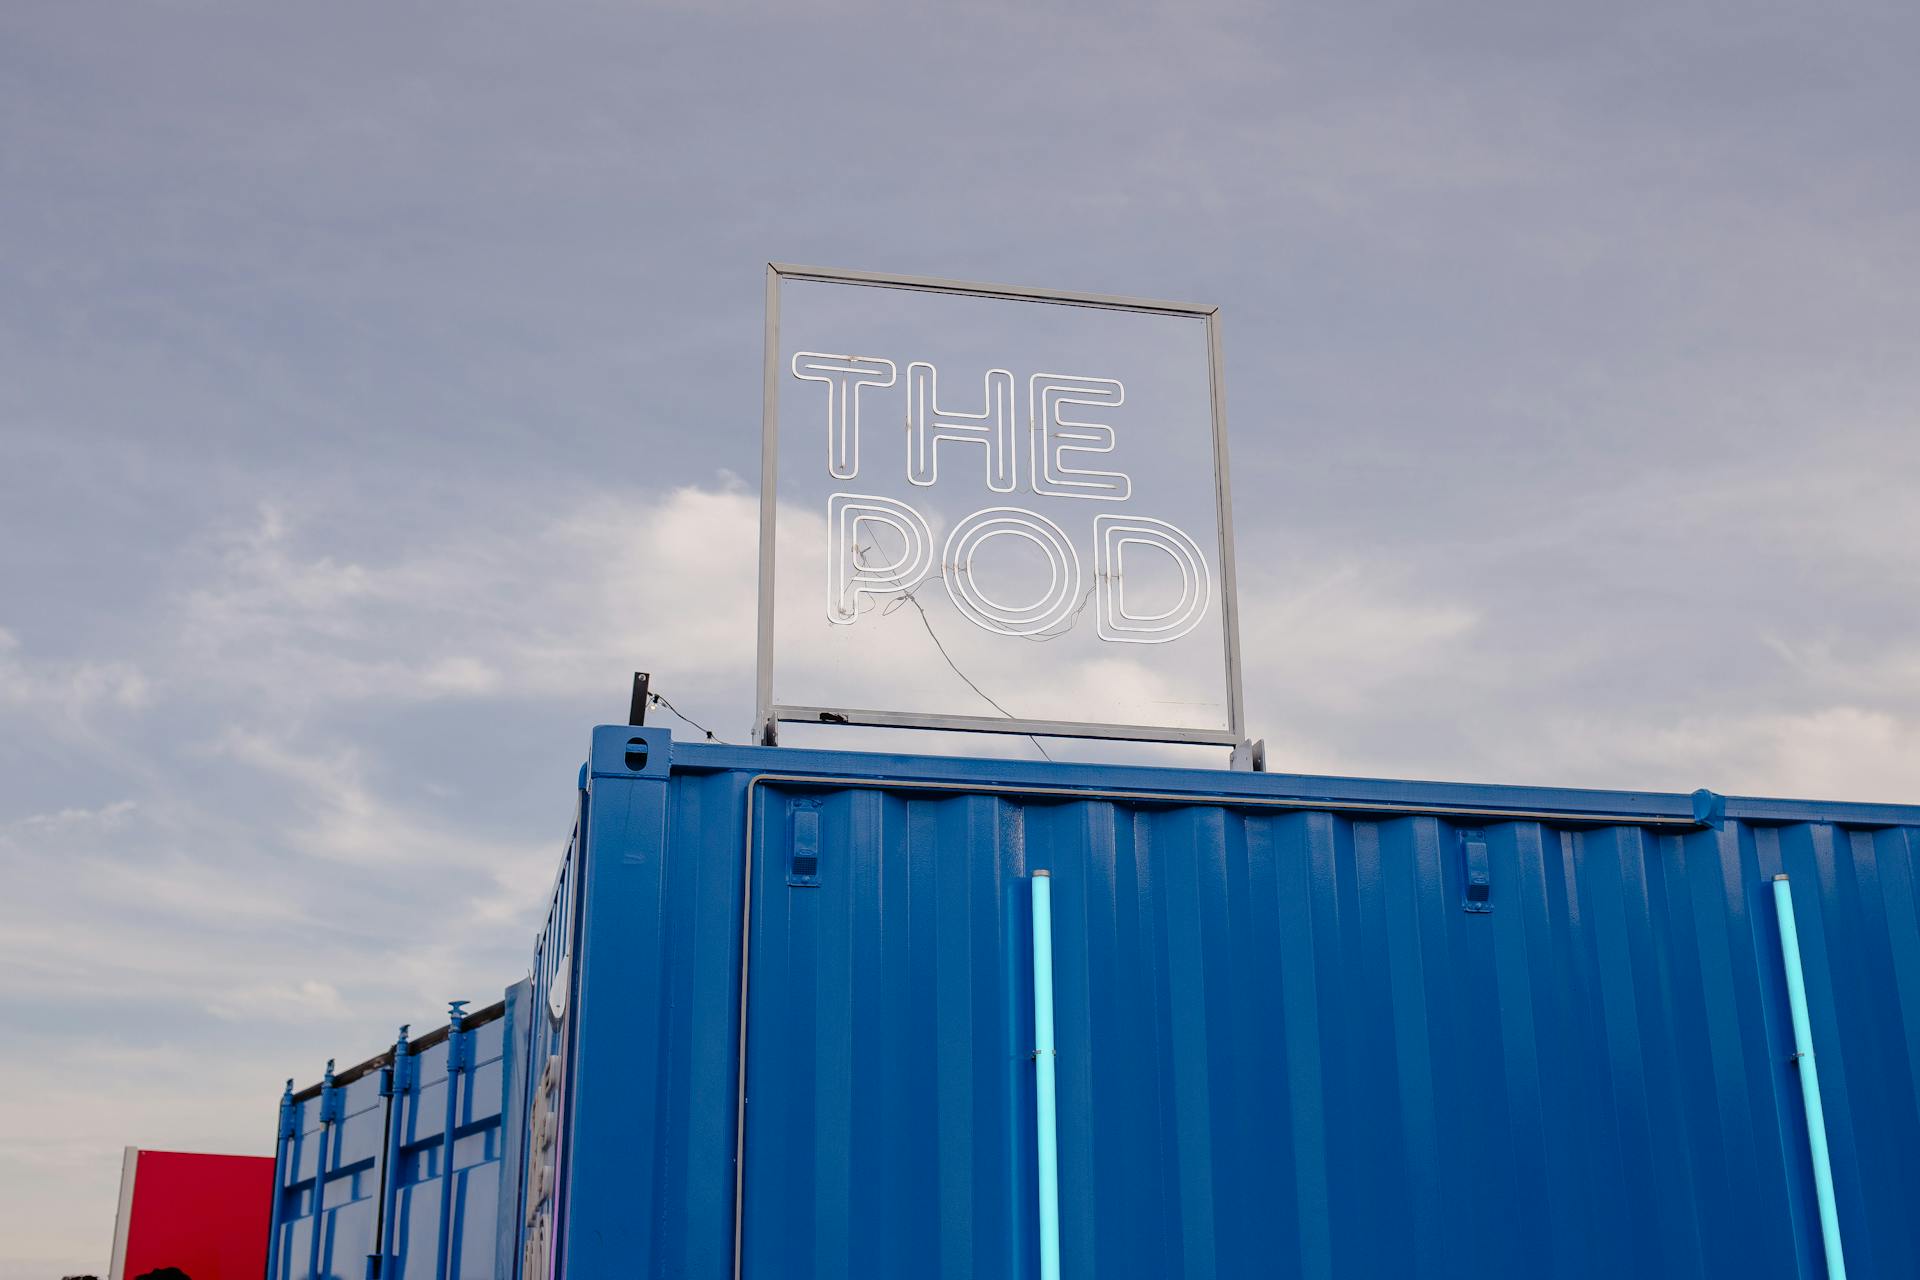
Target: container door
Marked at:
327, 1201
1288, 1044
890, 1117
889, 1084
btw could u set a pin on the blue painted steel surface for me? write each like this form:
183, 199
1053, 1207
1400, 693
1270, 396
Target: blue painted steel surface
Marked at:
1304, 1027
383, 1203
543, 1106
1290, 1042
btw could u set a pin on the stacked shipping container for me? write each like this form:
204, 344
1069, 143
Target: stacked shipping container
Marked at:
780, 1024
393, 1168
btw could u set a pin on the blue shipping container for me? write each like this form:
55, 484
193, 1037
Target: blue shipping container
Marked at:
781, 1024
361, 1185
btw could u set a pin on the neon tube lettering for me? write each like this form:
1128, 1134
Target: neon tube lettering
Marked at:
928, 424
845, 376
1056, 435
999, 617
850, 574
1114, 621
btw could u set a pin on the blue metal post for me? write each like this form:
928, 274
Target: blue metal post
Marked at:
283, 1155
1046, 1136
400, 1086
456, 1060
1809, 1080
320, 1172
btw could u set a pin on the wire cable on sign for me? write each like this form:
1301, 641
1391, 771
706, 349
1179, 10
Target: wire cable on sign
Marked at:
659, 701
909, 596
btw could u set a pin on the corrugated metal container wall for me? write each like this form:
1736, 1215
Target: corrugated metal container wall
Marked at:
376, 1134
1292, 1039
534, 1163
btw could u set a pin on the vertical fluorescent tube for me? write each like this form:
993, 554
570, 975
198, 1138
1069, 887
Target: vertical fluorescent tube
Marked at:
1046, 1136
1809, 1080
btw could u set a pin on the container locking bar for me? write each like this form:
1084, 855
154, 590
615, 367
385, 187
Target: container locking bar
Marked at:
399, 1091
457, 1063
332, 1110
283, 1160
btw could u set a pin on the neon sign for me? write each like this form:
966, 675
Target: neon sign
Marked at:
1053, 437
1009, 504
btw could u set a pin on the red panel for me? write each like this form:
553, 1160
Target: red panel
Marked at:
206, 1215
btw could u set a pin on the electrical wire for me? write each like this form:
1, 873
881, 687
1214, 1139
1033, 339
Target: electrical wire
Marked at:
910, 597
1047, 637
659, 701
928, 624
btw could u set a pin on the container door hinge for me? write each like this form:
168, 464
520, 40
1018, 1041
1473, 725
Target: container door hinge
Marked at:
457, 1049
803, 820
1479, 876
332, 1102
1709, 808
289, 1127
400, 1074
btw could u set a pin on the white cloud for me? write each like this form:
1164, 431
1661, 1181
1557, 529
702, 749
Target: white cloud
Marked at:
61, 691
671, 576
543, 607
107, 816
462, 676
1833, 753
1886, 674
1347, 636
341, 818
302, 1000
1352, 665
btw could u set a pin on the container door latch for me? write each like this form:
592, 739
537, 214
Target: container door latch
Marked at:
1479, 878
803, 871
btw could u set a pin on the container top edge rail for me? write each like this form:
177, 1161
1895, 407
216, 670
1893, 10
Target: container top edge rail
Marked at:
1146, 783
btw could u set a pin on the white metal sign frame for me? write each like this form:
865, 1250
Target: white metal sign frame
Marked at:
769, 714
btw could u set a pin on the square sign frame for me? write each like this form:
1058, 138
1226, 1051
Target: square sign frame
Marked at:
770, 715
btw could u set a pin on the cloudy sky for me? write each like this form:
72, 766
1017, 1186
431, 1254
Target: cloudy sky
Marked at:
371, 378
